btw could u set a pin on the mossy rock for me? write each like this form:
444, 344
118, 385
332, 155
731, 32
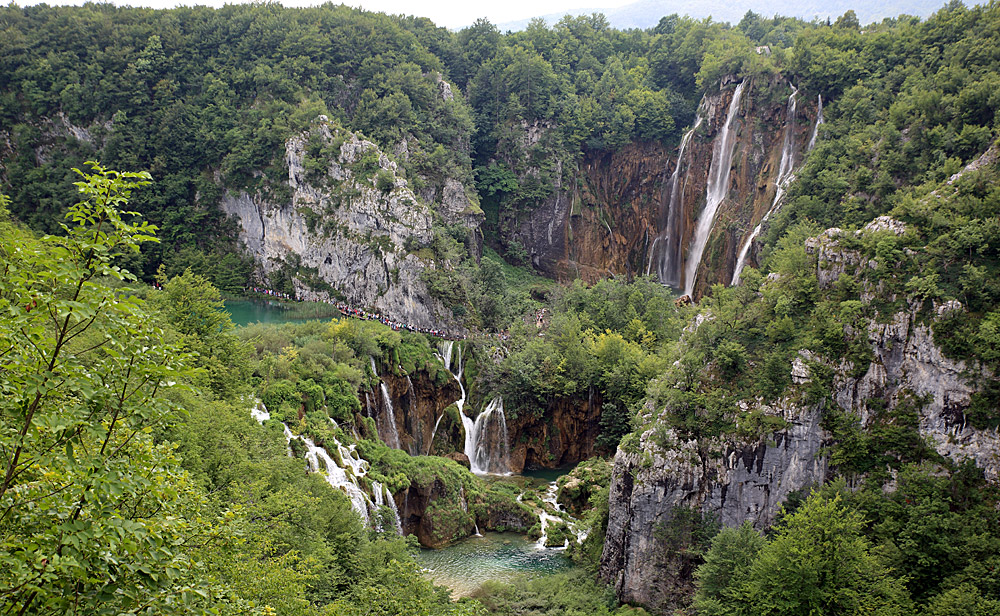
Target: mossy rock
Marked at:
557, 535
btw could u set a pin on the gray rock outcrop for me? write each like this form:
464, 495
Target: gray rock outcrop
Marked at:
736, 479
347, 231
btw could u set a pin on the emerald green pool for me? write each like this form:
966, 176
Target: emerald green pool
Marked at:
245, 312
501, 557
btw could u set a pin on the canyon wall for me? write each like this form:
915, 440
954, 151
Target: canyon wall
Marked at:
346, 225
660, 475
612, 214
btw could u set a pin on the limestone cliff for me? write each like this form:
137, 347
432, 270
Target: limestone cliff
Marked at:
616, 213
658, 475
346, 225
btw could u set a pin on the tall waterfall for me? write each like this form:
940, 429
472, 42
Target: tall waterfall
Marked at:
785, 176
669, 239
486, 440
716, 190
391, 437
819, 120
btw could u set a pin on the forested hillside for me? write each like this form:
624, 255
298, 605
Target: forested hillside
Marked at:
744, 277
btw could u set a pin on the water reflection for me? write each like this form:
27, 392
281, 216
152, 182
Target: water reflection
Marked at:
500, 557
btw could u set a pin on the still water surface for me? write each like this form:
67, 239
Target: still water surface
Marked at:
503, 557
244, 311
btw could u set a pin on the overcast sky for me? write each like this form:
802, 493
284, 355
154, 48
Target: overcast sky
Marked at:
448, 13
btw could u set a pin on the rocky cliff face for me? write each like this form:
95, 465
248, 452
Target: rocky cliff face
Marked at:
733, 480
349, 228
563, 434
419, 406
610, 214
660, 475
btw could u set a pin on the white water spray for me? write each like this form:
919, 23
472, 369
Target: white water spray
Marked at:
716, 191
486, 454
819, 120
668, 265
785, 177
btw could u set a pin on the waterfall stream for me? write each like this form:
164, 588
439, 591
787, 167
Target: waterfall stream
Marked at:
345, 475
715, 192
437, 423
785, 177
487, 455
391, 438
819, 120
668, 265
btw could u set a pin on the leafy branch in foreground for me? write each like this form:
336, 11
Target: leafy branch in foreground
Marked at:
95, 516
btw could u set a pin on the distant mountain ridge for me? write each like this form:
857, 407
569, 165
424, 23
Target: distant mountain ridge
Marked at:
647, 13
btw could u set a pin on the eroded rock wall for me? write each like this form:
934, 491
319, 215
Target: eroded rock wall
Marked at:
607, 210
734, 479
350, 227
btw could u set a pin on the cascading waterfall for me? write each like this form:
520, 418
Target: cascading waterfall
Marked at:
260, 413
392, 437
668, 264
488, 455
545, 519
819, 120
716, 190
336, 477
785, 176
344, 476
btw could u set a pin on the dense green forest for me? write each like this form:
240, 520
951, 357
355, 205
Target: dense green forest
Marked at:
135, 480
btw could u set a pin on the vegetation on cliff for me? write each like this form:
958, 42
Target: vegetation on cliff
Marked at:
134, 479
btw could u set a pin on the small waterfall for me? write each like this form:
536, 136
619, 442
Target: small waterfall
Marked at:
819, 120
545, 519
433, 432
716, 190
486, 454
392, 437
384, 499
445, 349
668, 264
785, 176
320, 462
412, 420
